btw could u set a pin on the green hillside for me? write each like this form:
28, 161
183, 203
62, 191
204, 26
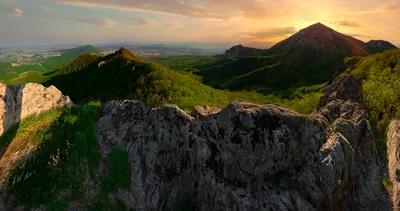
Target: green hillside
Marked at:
381, 86
123, 75
219, 75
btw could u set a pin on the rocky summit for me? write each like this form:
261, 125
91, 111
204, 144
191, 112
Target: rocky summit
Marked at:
248, 156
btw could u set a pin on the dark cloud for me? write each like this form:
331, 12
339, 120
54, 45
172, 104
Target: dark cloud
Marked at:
359, 35
346, 23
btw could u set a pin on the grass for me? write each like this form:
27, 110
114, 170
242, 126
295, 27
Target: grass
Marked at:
119, 177
24, 78
381, 84
62, 142
120, 171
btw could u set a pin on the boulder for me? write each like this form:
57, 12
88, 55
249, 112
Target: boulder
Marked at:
20, 101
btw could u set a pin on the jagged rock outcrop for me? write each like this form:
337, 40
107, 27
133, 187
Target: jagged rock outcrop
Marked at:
248, 156
20, 101
393, 153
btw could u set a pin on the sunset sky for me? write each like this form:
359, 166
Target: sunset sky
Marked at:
258, 23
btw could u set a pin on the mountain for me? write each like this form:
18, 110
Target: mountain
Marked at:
311, 56
319, 38
123, 75
239, 51
376, 46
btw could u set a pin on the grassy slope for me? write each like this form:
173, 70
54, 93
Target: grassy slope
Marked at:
64, 156
381, 85
21, 74
186, 63
218, 76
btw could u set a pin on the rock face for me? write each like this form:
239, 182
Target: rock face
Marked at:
248, 156
20, 101
393, 153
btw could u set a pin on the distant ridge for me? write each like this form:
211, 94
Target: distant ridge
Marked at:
239, 51
82, 49
376, 46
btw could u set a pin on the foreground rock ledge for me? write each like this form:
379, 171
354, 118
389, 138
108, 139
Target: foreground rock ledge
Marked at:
20, 101
246, 157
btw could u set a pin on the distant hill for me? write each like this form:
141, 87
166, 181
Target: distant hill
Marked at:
308, 57
67, 56
376, 46
122, 75
81, 50
239, 51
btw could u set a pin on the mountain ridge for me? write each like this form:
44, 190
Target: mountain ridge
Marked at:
311, 56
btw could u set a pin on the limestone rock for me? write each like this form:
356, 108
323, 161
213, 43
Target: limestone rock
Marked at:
345, 87
393, 153
20, 101
247, 156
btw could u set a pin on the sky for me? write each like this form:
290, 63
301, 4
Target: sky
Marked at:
256, 23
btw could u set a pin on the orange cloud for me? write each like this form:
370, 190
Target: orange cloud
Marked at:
347, 23
267, 34
11, 12
101, 23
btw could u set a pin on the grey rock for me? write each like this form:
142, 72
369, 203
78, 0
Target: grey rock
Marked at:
393, 154
20, 101
247, 156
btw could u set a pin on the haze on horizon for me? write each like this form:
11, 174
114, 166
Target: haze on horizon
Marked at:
257, 23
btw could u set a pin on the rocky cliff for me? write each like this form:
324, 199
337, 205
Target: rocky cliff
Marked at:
248, 156
20, 101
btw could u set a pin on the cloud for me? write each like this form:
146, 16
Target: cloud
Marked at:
10, 12
201, 9
272, 32
359, 35
101, 23
172, 24
346, 23
145, 22
45, 8
393, 6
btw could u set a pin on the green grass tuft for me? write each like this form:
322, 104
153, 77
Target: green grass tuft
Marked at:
56, 164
